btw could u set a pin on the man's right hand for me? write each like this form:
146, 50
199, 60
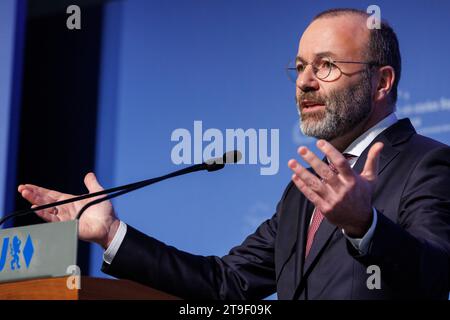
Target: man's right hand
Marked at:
98, 224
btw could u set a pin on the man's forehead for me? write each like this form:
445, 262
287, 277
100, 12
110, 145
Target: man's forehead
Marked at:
320, 54
343, 36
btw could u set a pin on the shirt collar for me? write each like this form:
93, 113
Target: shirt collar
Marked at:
357, 147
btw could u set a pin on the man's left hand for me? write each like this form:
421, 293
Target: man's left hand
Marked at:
343, 196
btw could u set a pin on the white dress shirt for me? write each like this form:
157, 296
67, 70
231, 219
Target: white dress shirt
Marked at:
356, 149
114, 246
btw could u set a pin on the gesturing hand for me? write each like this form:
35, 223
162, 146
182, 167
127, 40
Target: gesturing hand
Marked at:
343, 196
98, 224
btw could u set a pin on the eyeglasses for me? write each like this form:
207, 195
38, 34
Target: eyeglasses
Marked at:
324, 68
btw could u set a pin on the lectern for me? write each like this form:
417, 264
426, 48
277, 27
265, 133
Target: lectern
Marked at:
39, 262
90, 289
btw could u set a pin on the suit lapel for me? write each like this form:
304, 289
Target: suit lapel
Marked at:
288, 234
392, 136
305, 213
387, 154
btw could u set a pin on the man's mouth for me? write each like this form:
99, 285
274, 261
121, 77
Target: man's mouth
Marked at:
311, 106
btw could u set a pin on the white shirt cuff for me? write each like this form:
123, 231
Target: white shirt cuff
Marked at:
114, 246
362, 244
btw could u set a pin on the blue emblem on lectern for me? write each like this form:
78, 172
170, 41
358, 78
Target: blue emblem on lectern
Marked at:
15, 251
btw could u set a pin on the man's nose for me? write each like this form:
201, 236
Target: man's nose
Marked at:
307, 81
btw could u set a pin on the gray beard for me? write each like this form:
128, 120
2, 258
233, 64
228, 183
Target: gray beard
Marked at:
344, 110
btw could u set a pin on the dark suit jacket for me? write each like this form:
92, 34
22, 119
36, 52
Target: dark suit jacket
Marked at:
411, 242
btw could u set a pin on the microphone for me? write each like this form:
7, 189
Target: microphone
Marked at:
209, 165
218, 163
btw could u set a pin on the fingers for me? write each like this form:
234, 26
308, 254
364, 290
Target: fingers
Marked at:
48, 215
370, 171
307, 178
320, 167
336, 158
34, 196
309, 193
38, 195
90, 180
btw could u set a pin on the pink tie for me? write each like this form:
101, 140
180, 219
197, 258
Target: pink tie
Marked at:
318, 216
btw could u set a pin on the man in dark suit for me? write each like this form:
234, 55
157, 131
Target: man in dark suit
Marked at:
369, 221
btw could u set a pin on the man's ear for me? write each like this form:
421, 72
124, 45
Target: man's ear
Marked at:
386, 78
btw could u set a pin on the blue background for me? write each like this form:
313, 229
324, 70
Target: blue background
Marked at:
7, 23
166, 64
